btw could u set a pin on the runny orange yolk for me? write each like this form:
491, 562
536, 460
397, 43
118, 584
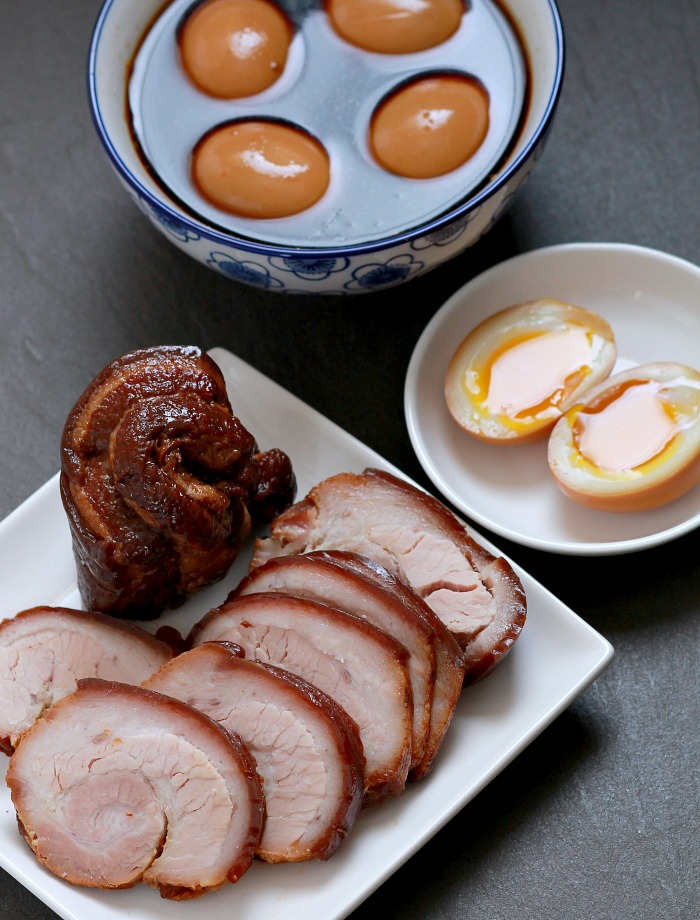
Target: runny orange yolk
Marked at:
532, 375
234, 48
395, 26
628, 429
260, 169
430, 126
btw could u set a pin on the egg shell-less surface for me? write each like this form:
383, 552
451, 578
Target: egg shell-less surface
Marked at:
666, 476
560, 371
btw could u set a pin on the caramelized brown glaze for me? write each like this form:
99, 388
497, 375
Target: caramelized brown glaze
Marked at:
161, 482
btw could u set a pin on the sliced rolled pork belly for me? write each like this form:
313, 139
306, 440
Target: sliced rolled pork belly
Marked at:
355, 584
477, 595
358, 665
45, 650
449, 661
117, 784
160, 481
306, 748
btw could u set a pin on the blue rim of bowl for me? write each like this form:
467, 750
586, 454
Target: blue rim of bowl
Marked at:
269, 249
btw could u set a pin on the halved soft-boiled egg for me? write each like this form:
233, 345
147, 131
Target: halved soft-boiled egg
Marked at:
518, 371
633, 442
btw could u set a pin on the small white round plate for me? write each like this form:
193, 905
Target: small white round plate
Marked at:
651, 300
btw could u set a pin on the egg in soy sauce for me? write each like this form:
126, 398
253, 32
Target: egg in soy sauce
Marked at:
234, 48
395, 26
261, 169
430, 126
378, 138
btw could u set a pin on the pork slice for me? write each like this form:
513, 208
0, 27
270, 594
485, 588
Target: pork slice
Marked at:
117, 784
449, 662
44, 650
358, 665
477, 595
306, 747
323, 577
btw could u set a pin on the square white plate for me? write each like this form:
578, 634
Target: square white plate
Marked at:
556, 657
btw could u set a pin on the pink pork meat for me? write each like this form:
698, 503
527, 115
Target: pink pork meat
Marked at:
355, 584
477, 595
449, 661
44, 650
306, 748
117, 784
359, 666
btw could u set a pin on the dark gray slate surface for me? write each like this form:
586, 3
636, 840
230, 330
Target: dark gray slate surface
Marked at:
598, 817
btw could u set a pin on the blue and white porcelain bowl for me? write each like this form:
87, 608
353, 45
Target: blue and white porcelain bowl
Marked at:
373, 230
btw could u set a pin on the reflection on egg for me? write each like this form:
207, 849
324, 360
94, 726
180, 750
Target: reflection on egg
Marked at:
430, 126
260, 169
514, 374
234, 48
395, 26
633, 442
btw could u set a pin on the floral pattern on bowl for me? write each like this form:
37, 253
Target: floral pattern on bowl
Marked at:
355, 269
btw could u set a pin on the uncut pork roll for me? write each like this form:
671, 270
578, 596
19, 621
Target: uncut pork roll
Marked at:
117, 785
306, 747
358, 665
45, 650
355, 584
161, 482
478, 596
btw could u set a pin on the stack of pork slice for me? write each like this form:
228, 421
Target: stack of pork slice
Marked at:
324, 683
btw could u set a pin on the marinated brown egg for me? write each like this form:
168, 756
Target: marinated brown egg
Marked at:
518, 371
201, 64
260, 169
395, 26
234, 48
430, 126
633, 442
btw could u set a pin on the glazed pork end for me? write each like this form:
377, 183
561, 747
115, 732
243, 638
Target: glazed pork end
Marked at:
161, 482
